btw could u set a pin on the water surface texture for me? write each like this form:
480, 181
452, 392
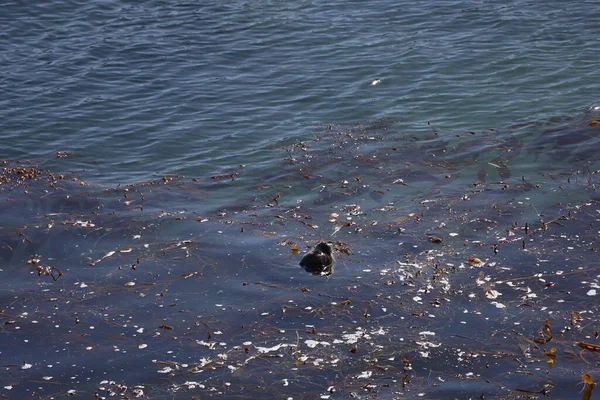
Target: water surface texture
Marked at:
167, 164
142, 89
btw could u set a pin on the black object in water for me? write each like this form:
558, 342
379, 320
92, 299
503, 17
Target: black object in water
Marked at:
319, 261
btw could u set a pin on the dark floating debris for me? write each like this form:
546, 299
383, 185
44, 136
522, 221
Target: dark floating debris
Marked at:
435, 239
319, 261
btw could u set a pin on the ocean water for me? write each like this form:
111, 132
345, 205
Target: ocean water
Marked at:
137, 91
166, 165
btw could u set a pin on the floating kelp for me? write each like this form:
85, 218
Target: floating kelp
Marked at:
466, 266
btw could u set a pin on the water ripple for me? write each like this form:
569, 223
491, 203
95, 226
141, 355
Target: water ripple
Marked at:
156, 87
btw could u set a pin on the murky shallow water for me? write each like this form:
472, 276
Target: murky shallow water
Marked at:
466, 266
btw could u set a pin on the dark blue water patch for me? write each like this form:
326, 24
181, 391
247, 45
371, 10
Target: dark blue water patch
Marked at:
438, 285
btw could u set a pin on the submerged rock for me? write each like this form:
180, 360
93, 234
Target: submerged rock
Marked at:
319, 261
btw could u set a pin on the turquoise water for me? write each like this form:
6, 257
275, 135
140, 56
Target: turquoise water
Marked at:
168, 164
137, 91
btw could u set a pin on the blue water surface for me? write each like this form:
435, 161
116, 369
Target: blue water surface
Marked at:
447, 150
139, 90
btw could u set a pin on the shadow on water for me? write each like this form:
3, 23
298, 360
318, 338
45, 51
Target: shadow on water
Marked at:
465, 266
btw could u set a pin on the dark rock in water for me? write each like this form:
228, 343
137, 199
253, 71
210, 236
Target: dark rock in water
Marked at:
319, 261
